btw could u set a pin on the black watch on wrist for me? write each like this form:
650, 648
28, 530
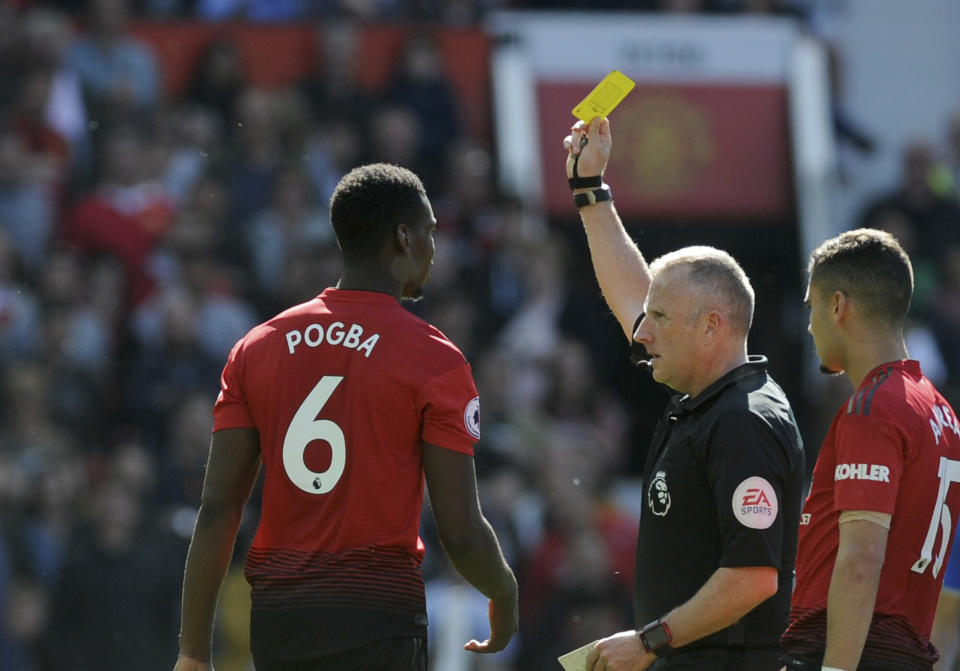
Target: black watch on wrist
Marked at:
656, 637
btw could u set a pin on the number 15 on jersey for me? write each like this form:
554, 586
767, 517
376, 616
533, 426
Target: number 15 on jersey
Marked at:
949, 472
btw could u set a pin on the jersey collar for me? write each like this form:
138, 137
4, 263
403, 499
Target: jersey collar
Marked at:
909, 366
356, 296
756, 365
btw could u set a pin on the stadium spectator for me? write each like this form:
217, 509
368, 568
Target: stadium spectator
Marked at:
339, 105
294, 219
944, 317
420, 84
38, 533
332, 86
79, 344
399, 405
868, 567
47, 151
170, 362
219, 79
191, 144
47, 37
25, 616
934, 215
119, 73
586, 541
120, 574
30, 427
257, 154
126, 214
713, 580
394, 135
27, 208
180, 474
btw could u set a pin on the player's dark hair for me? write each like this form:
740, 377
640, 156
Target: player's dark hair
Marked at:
368, 205
871, 267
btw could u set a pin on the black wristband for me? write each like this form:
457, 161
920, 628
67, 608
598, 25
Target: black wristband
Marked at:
600, 195
585, 182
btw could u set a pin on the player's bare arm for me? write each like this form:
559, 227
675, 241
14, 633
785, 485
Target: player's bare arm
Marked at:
853, 591
232, 468
470, 542
620, 268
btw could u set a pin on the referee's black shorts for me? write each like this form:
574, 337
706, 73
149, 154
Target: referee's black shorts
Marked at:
722, 659
389, 654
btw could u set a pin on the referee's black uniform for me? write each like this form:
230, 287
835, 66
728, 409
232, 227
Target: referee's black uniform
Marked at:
723, 483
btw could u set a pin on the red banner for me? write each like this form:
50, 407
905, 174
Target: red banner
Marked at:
701, 150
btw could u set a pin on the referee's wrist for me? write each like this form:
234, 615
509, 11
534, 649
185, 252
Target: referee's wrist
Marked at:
585, 197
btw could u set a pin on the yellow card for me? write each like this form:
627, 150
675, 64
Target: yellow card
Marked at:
608, 93
577, 659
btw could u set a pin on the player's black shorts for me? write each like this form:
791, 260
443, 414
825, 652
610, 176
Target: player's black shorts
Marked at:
389, 654
722, 659
809, 664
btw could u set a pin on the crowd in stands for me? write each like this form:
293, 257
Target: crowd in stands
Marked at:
141, 236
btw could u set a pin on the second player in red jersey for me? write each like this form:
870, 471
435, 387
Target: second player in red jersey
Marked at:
878, 523
893, 448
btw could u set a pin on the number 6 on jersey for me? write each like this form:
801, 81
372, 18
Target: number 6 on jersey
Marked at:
305, 428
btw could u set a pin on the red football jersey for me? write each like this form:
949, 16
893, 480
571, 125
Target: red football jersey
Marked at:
342, 390
893, 448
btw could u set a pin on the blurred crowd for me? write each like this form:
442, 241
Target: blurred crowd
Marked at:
141, 236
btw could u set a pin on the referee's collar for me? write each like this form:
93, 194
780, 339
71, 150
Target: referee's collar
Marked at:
756, 364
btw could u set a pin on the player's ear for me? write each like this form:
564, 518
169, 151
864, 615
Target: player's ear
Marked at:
839, 305
403, 238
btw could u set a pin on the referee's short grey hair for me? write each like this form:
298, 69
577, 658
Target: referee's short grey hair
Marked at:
723, 283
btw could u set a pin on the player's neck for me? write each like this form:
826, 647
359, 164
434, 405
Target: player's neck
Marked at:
369, 279
868, 354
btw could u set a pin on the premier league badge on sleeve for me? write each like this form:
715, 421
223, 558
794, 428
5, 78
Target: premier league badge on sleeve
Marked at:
658, 496
471, 417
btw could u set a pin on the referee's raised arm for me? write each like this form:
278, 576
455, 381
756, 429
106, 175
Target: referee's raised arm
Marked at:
619, 265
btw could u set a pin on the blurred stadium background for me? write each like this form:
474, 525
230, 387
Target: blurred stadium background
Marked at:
164, 172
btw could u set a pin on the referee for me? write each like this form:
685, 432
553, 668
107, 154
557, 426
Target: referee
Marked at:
724, 473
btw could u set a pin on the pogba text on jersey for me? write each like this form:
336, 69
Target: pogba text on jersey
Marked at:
335, 333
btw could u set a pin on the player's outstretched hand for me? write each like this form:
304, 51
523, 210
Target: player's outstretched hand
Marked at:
595, 153
185, 663
504, 623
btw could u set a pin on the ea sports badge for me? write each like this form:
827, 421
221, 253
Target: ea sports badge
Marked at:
755, 503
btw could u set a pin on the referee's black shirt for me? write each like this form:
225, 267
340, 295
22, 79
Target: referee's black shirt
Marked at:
723, 483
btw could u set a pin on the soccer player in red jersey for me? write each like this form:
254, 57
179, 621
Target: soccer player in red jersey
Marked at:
349, 401
878, 522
